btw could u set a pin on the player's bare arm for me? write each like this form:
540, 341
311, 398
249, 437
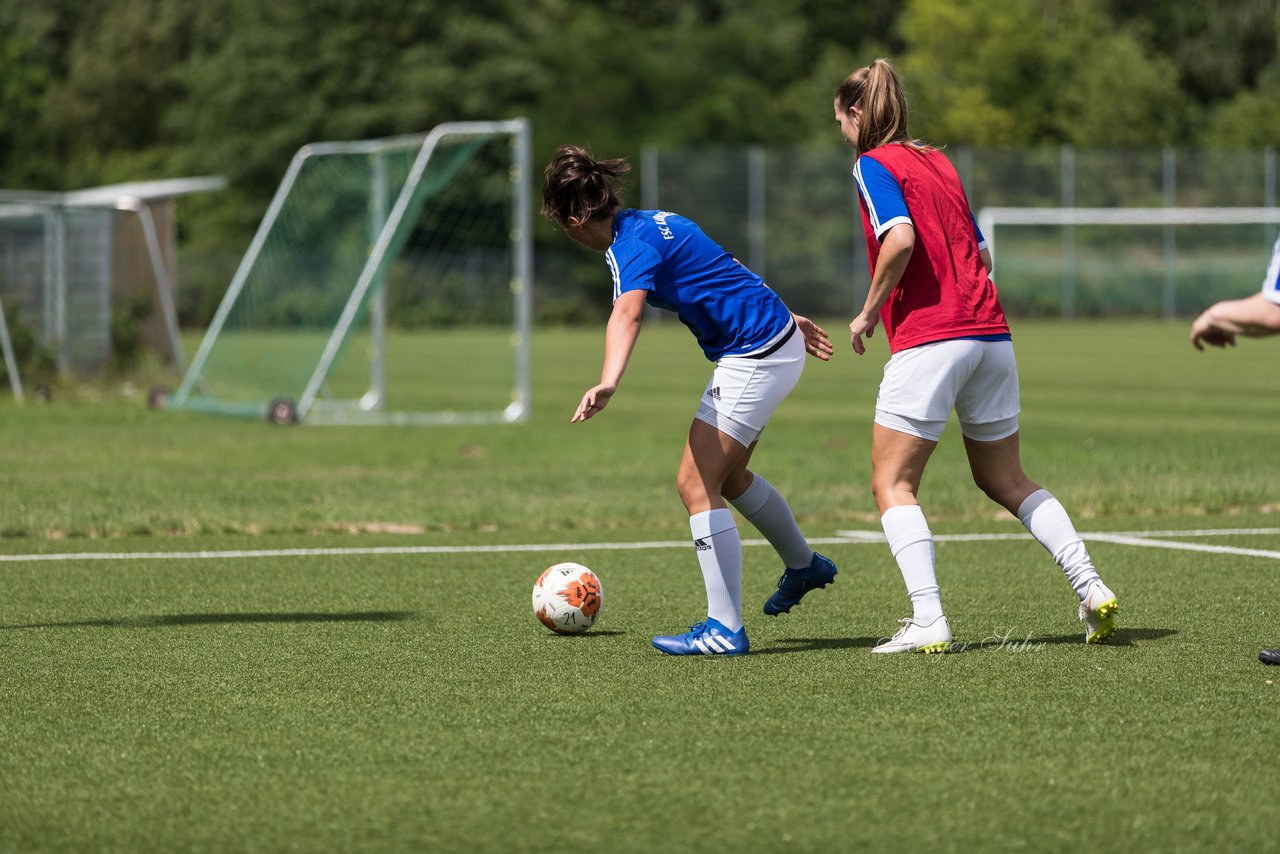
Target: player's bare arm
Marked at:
619, 340
1220, 323
895, 251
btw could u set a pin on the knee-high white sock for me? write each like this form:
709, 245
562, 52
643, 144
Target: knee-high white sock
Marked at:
1047, 520
911, 543
764, 507
715, 536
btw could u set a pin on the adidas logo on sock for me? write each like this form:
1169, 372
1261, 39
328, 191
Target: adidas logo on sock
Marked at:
702, 545
715, 393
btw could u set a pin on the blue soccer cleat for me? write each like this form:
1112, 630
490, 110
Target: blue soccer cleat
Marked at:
794, 583
706, 638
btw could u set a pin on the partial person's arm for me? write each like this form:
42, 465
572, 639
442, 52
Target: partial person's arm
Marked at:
983, 252
1219, 324
895, 251
619, 340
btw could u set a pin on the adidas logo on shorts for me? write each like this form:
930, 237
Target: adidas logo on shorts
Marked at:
714, 393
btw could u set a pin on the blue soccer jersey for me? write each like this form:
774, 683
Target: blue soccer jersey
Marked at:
1271, 284
730, 309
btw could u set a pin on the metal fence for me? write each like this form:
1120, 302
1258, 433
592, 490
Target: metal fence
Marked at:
792, 216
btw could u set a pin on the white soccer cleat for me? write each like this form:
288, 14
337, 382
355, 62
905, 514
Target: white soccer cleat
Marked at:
1098, 613
935, 637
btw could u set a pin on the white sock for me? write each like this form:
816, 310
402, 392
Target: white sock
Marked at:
1047, 520
715, 536
911, 543
764, 507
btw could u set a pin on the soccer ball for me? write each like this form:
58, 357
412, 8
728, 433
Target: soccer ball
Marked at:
567, 598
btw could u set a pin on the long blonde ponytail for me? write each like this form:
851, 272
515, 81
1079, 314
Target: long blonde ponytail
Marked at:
877, 91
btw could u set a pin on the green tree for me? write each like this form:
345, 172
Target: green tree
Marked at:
989, 72
1217, 50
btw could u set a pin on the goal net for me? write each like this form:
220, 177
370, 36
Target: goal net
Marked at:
389, 282
1097, 262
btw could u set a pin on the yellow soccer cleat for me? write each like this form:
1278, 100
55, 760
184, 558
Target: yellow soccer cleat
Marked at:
1098, 613
935, 637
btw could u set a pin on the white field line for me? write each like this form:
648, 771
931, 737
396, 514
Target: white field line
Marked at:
1132, 538
1186, 547
878, 537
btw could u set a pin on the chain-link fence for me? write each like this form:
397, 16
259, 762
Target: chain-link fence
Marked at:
792, 216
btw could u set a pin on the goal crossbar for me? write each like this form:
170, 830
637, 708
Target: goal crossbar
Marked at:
989, 218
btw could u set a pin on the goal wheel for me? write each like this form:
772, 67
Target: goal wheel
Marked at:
157, 397
282, 411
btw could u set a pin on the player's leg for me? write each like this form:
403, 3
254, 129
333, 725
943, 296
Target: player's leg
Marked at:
897, 465
741, 398
997, 469
709, 456
988, 411
766, 509
914, 401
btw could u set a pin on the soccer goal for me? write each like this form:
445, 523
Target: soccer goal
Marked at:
390, 282
10, 361
1157, 261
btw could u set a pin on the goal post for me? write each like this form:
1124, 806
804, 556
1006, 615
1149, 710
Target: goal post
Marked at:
414, 251
10, 361
1126, 260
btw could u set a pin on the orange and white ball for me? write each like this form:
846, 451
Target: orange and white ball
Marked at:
567, 598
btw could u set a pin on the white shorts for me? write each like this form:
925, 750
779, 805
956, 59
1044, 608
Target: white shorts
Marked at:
978, 379
744, 391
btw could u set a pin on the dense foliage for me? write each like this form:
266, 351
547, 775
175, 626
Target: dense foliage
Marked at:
94, 91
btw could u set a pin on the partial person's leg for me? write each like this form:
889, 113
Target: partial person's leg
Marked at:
709, 455
897, 465
765, 508
997, 470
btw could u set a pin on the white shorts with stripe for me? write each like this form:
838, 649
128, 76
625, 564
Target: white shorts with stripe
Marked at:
744, 391
978, 379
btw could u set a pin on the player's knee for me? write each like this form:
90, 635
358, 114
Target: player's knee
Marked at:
989, 485
1004, 488
888, 491
693, 492
735, 484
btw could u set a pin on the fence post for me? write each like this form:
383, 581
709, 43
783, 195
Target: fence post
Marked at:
56, 302
965, 167
756, 210
1170, 240
1269, 177
1067, 176
649, 178
649, 201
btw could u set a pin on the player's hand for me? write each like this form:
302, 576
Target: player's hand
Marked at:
860, 326
596, 399
816, 342
1205, 331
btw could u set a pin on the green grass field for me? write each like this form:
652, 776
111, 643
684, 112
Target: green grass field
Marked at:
208, 690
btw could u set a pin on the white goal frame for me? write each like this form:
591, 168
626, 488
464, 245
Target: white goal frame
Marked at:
990, 218
310, 407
